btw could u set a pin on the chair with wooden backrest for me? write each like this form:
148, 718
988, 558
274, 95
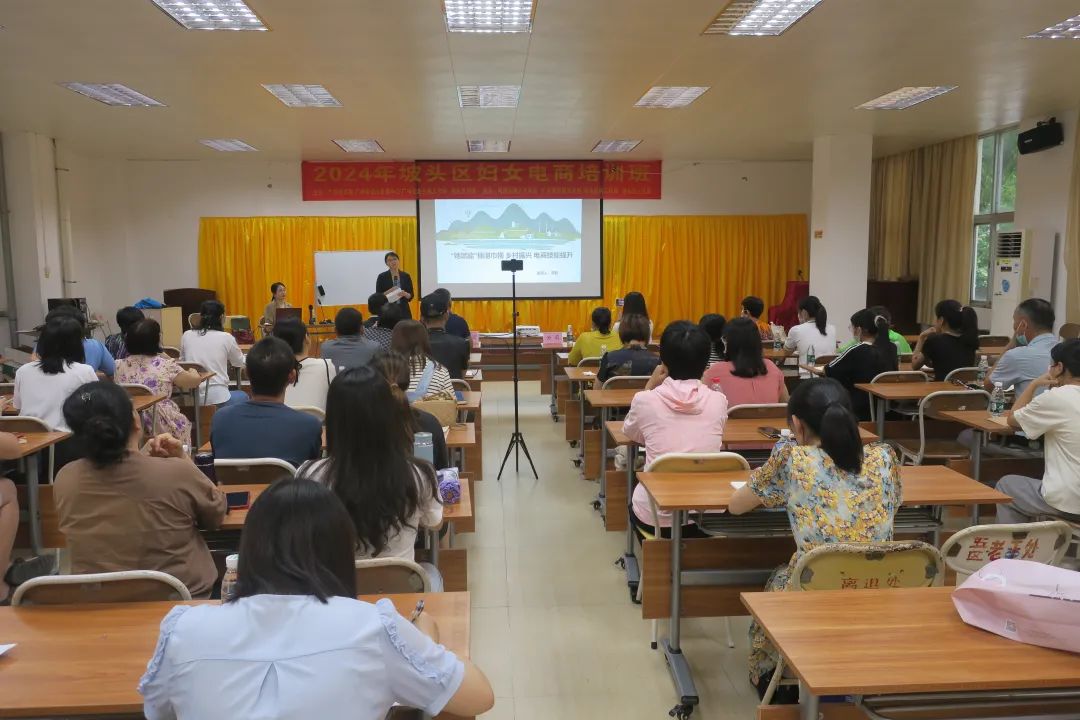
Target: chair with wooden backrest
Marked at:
390, 576
930, 408
762, 411
992, 341
862, 566
253, 471
28, 424
1069, 331
317, 413
897, 376
627, 382
691, 463
589, 362
110, 587
970, 549
135, 390
172, 352
965, 375
824, 359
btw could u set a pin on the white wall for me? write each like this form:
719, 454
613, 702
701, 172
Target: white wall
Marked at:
134, 224
1042, 195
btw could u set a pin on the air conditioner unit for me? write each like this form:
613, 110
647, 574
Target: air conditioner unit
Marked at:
1023, 268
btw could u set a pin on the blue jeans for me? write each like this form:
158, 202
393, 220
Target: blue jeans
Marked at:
235, 398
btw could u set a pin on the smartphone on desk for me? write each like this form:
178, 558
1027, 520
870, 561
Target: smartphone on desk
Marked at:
239, 500
770, 432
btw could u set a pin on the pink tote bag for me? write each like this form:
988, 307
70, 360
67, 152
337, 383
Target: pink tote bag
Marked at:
1024, 601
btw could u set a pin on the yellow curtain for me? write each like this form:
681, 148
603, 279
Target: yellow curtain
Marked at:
922, 206
684, 265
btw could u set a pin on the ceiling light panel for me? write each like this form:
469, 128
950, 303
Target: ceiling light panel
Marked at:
212, 14
488, 146
905, 97
615, 146
359, 146
303, 96
759, 17
228, 145
489, 16
489, 96
113, 94
667, 96
1064, 30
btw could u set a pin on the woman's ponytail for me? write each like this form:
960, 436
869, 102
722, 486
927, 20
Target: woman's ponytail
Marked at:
824, 406
883, 345
969, 327
812, 306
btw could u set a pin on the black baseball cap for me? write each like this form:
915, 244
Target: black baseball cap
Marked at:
434, 306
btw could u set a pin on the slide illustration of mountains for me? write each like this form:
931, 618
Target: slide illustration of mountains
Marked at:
513, 224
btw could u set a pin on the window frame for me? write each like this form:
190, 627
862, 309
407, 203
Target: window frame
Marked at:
995, 217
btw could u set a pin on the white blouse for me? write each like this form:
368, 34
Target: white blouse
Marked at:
312, 385
805, 336
216, 351
291, 657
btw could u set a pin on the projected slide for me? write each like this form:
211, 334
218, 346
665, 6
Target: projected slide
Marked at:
545, 234
463, 244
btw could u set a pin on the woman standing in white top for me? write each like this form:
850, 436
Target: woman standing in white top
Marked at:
293, 642
314, 375
813, 331
217, 351
370, 466
42, 386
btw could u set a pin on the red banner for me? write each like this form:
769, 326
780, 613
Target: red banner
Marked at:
481, 180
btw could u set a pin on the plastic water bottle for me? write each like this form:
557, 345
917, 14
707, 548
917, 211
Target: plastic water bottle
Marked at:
777, 343
984, 368
228, 581
423, 447
997, 400
569, 333
811, 356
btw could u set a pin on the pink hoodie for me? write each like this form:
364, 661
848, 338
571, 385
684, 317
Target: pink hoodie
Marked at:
676, 416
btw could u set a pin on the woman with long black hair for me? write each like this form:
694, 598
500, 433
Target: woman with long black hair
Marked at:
833, 488
217, 351
872, 354
812, 333
951, 342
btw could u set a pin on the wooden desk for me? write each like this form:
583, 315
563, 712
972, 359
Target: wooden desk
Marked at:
461, 435
606, 400
777, 356
198, 396
145, 402
578, 378
680, 492
741, 432
883, 393
87, 659
474, 376
470, 401
983, 423
475, 358
31, 445
887, 642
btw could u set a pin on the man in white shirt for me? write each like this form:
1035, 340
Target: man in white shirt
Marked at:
1055, 416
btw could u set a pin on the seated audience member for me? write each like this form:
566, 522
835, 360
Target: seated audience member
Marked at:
455, 324
428, 379
42, 386
951, 342
595, 342
713, 325
676, 412
95, 354
294, 642
1028, 353
277, 302
265, 426
834, 490
383, 331
375, 304
122, 510
896, 338
313, 375
1055, 417
753, 308
812, 333
217, 351
350, 348
452, 351
872, 355
395, 368
126, 317
634, 358
146, 365
746, 377
388, 493
634, 304
13, 574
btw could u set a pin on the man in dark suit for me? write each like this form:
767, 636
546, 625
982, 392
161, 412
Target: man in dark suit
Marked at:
451, 351
396, 278
455, 324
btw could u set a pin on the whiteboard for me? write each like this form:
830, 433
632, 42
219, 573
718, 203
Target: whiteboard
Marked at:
348, 278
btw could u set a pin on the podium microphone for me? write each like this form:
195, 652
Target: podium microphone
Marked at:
311, 314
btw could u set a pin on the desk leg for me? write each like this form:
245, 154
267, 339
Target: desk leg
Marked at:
33, 500
433, 538
603, 461
197, 405
633, 573
808, 703
676, 660
881, 405
581, 420
554, 402
976, 467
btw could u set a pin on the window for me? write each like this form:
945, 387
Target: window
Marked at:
995, 200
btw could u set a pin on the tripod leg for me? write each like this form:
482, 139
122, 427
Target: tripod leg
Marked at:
528, 456
505, 458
